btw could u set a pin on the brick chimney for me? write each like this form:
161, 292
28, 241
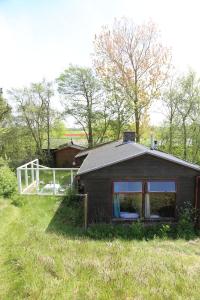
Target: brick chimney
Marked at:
128, 136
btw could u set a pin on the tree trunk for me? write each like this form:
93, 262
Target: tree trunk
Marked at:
184, 141
90, 131
137, 126
137, 119
90, 137
170, 136
48, 130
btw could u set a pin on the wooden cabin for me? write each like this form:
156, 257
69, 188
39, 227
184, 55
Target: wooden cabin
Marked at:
126, 181
63, 153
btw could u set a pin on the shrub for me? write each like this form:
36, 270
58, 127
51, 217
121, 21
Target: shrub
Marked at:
17, 200
71, 197
73, 211
185, 226
8, 182
137, 230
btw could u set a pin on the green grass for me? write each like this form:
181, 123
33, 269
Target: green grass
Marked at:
44, 256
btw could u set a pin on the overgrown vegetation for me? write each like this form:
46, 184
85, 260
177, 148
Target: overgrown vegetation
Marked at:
8, 182
187, 219
44, 256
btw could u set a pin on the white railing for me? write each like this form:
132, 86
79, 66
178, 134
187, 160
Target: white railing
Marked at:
34, 178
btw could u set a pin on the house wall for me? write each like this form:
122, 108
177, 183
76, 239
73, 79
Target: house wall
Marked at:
98, 184
64, 157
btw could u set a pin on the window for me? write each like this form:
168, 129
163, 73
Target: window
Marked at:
127, 202
127, 186
161, 186
159, 199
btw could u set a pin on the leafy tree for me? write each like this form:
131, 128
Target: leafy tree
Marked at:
84, 100
138, 60
34, 111
121, 114
5, 109
170, 100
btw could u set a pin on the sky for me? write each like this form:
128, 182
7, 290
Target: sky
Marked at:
40, 38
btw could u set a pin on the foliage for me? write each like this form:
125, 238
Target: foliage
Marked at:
132, 57
136, 231
34, 110
17, 200
73, 208
8, 182
84, 100
185, 227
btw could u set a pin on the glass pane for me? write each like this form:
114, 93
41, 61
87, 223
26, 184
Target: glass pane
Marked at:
127, 186
23, 179
161, 186
160, 205
45, 178
127, 206
63, 181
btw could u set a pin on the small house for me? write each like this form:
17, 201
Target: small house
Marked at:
126, 181
63, 153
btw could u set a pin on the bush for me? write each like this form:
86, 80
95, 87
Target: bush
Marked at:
73, 211
71, 197
137, 230
17, 200
8, 182
185, 226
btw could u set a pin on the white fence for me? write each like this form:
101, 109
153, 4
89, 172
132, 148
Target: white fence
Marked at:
34, 178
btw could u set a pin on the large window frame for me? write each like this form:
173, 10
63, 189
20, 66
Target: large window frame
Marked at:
144, 192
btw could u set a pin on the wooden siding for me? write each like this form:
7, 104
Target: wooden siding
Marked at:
98, 184
64, 157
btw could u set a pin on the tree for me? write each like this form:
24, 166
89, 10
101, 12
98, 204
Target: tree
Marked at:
121, 114
84, 100
34, 111
5, 109
139, 60
5, 117
170, 100
188, 96
182, 107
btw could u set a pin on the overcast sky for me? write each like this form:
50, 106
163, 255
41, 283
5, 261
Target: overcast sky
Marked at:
39, 38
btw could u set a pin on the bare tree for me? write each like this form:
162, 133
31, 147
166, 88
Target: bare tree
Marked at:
139, 60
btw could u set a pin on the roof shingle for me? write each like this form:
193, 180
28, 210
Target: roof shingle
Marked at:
118, 151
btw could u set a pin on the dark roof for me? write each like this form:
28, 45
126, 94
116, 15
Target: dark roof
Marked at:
70, 145
118, 151
86, 151
58, 143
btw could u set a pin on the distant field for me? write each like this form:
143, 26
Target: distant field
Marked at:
43, 256
77, 135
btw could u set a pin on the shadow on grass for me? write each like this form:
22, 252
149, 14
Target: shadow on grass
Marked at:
68, 221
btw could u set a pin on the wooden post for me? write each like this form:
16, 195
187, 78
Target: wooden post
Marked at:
54, 182
85, 211
19, 180
72, 178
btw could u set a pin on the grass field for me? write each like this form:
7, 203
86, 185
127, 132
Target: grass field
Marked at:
43, 256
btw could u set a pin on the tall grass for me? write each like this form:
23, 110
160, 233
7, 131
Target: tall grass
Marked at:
44, 255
